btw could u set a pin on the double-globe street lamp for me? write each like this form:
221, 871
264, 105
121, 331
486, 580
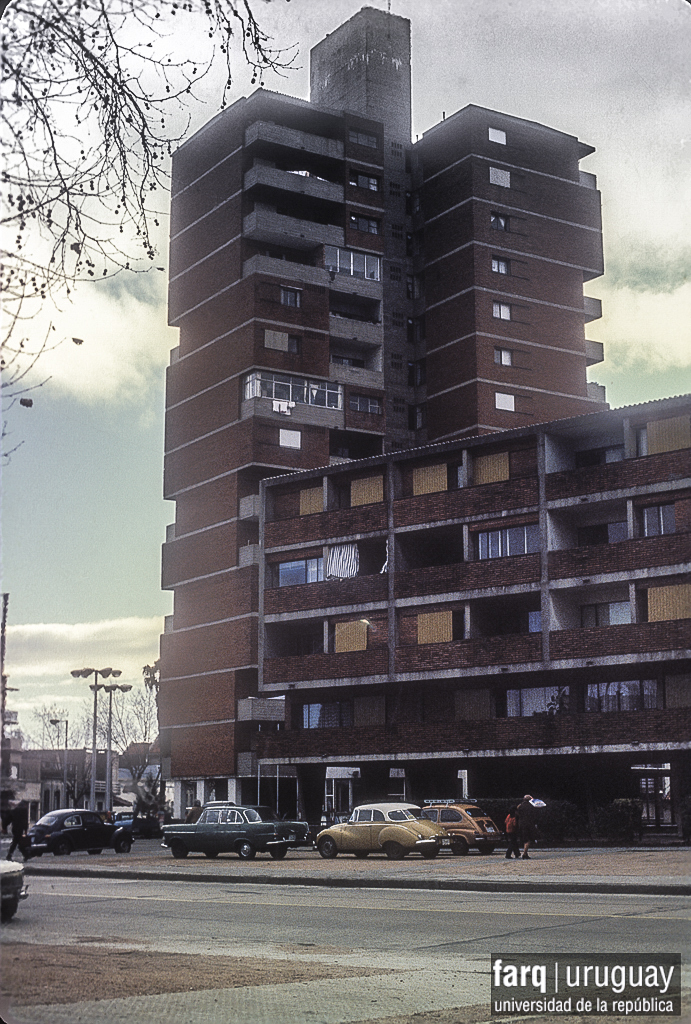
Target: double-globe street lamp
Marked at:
59, 721
104, 673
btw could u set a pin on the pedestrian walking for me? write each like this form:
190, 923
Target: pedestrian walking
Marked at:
511, 829
20, 826
194, 813
526, 816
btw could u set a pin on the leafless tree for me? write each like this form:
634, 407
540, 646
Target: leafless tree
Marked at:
91, 105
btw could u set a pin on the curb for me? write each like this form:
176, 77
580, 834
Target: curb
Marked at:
460, 885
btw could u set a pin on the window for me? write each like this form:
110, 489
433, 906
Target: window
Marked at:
397, 319
283, 387
535, 622
602, 533
642, 441
499, 221
337, 714
397, 230
501, 311
364, 403
290, 438
414, 286
658, 520
396, 361
500, 266
395, 189
417, 373
394, 273
305, 570
290, 297
536, 700
497, 135
613, 613
355, 264
397, 149
599, 456
505, 402
503, 356
363, 181
417, 417
497, 176
398, 406
348, 361
366, 224
627, 695
511, 540
363, 139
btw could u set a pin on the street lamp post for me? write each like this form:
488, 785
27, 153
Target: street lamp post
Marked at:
104, 673
110, 688
59, 721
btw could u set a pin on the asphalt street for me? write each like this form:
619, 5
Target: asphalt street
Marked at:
421, 950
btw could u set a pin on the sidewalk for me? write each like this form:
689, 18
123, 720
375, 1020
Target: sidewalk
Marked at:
632, 870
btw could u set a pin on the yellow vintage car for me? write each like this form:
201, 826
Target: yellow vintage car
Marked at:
397, 829
468, 825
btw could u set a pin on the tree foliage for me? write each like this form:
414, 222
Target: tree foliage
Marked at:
94, 98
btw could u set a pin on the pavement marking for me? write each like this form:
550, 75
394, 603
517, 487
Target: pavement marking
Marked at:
350, 905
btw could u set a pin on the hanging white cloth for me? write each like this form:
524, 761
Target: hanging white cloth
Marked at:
343, 562
385, 566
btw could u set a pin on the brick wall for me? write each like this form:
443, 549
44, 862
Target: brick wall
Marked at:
466, 502
322, 525
329, 594
491, 650
624, 556
640, 638
617, 475
199, 554
207, 750
210, 648
219, 597
200, 699
495, 572
326, 666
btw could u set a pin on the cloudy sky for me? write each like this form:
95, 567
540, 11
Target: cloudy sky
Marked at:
83, 516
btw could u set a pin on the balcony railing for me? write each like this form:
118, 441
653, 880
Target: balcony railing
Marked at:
443, 579
329, 594
610, 641
277, 229
352, 664
616, 476
513, 649
325, 525
624, 556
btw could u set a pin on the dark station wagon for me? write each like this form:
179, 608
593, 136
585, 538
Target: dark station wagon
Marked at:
227, 828
63, 832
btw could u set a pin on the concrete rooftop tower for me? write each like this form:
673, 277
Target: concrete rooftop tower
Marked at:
364, 66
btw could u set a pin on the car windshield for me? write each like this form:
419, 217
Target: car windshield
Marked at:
48, 819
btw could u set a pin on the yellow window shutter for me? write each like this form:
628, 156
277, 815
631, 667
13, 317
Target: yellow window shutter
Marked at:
350, 636
367, 490
669, 435
369, 710
669, 602
488, 469
434, 627
311, 500
427, 479
472, 705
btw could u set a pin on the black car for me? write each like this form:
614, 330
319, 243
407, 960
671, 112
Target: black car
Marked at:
224, 827
61, 832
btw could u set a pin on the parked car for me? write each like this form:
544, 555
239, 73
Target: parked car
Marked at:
467, 824
62, 832
224, 827
12, 888
144, 826
395, 828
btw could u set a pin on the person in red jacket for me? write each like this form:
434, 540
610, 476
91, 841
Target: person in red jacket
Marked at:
511, 829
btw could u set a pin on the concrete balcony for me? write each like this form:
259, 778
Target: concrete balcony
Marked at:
347, 284
644, 641
356, 376
592, 308
596, 392
261, 709
249, 508
297, 184
300, 413
619, 476
248, 554
468, 576
356, 330
290, 138
298, 273
594, 352
276, 229
515, 649
626, 556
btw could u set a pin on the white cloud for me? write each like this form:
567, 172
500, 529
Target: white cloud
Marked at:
49, 651
650, 327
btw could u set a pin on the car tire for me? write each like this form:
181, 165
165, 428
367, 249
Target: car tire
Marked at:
178, 850
459, 848
278, 852
485, 850
123, 846
327, 848
62, 848
211, 854
9, 909
431, 853
93, 853
394, 851
361, 854
246, 851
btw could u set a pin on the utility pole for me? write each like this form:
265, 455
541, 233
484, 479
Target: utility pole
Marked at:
4, 760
